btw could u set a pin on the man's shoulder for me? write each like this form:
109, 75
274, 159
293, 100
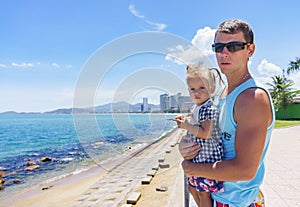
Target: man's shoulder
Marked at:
253, 94
253, 102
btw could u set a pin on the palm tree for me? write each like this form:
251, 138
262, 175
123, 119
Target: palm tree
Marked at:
277, 81
293, 66
282, 92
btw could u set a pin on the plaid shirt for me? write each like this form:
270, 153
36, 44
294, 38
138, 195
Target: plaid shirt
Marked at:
212, 148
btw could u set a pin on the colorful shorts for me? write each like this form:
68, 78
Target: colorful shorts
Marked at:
258, 202
206, 185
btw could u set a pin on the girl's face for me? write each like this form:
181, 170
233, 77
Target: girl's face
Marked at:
198, 89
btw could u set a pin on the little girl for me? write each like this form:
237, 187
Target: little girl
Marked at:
202, 127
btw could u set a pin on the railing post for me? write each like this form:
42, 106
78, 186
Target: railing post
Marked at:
186, 193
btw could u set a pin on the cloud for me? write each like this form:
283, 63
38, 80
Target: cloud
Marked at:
55, 65
69, 66
135, 12
296, 78
199, 51
264, 80
204, 39
22, 65
155, 25
2, 65
268, 69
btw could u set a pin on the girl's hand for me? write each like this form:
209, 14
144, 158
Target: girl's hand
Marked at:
181, 121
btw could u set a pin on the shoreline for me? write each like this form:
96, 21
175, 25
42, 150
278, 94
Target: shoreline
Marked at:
78, 182
56, 138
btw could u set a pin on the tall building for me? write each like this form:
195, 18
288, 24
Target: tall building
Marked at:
175, 102
145, 107
164, 102
184, 101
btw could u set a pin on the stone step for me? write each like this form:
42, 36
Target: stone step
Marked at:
133, 198
146, 180
151, 173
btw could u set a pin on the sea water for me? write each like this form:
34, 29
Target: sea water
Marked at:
72, 142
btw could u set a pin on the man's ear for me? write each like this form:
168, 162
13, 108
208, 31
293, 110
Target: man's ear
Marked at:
251, 49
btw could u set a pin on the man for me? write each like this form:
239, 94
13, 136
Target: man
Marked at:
247, 119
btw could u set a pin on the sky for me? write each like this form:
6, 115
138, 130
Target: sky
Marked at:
54, 52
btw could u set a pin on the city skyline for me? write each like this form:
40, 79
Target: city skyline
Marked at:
176, 102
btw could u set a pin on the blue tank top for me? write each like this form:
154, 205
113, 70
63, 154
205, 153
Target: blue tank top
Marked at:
239, 193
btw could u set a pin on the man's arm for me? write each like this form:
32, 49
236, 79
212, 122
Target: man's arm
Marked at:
253, 115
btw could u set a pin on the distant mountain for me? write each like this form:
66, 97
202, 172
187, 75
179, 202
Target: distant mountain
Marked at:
10, 112
61, 111
119, 107
124, 107
14, 112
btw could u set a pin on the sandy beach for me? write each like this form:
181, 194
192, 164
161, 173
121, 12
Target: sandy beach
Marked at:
112, 183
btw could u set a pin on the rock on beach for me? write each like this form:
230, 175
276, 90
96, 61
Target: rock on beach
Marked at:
45, 159
32, 167
2, 181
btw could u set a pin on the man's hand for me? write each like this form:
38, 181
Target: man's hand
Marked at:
186, 167
188, 149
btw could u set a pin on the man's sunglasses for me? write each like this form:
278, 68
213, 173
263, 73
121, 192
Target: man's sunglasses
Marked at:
231, 46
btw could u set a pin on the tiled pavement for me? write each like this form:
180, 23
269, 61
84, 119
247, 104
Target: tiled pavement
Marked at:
281, 185
115, 186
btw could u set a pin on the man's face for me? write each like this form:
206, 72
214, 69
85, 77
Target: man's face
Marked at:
229, 62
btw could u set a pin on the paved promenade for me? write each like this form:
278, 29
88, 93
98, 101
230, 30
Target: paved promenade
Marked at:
281, 185
116, 185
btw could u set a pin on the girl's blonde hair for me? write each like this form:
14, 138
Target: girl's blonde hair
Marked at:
210, 76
